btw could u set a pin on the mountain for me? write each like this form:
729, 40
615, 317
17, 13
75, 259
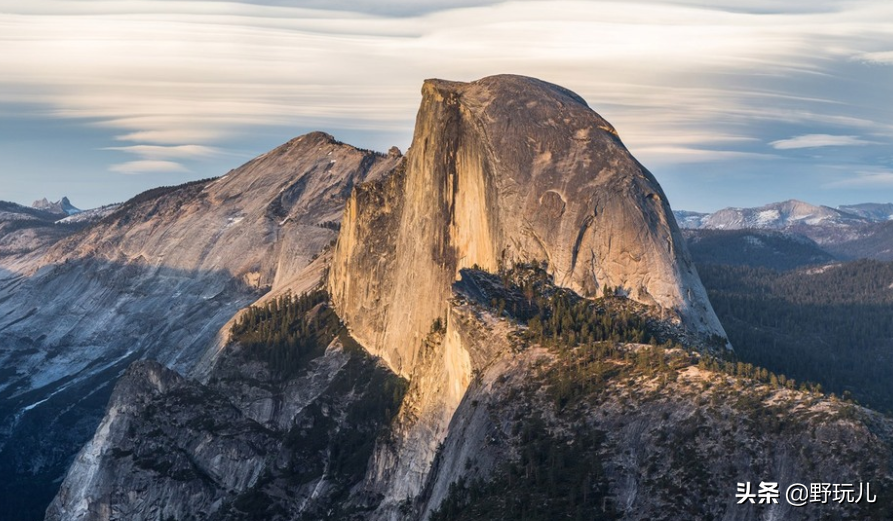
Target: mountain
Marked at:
820, 223
872, 211
61, 207
690, 220
545, 429
157, 278
26, 232
756, 248
493, 178
510, 327
848, 232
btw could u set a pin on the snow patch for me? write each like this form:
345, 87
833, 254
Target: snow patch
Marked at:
768, 216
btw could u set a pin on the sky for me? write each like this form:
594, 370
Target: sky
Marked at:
728, 103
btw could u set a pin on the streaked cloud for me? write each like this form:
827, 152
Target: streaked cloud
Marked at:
686, 82
148, 166
169, 152
820, 140
882, 179
882, 57
688, 155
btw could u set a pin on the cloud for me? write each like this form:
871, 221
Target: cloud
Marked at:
146, 166
865, 179
169, 152
684, 81
688, 155
820, 140
881, 58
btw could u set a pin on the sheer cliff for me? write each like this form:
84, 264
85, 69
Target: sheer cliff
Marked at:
501, 170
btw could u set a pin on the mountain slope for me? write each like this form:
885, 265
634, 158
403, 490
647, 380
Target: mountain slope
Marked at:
875, 242
548, 428
157, 278
753, 247
541, 348
831, 325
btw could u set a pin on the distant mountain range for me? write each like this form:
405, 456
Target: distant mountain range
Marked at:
846, 232
786, 215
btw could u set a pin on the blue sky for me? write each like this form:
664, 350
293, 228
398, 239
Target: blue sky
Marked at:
728, 103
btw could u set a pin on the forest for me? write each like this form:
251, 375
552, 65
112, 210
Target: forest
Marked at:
832, 325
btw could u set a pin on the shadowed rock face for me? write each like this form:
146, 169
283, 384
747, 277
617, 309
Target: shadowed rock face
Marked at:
501, 170
158, 278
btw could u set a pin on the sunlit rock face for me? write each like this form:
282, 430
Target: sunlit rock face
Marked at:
501, 170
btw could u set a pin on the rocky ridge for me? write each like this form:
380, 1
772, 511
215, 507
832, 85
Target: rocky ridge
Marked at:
847, 232
157, 278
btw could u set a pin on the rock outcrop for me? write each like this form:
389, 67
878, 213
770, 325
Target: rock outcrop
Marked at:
254, 442
62, 207
501, 170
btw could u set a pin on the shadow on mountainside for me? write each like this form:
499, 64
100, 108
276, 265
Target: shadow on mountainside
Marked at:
67, 333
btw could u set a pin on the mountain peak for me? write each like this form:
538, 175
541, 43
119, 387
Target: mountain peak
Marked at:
61, 207
502, 170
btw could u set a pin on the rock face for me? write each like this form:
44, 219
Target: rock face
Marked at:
158, 278
62, 207
254, 442
501, 170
